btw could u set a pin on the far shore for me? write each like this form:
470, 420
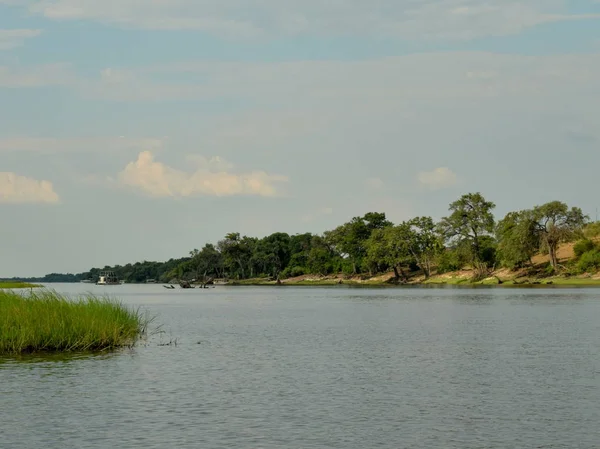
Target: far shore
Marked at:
462, 278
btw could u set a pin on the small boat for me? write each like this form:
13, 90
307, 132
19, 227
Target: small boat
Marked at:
108, 278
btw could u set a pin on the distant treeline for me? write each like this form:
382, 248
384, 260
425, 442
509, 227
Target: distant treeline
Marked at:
469, 236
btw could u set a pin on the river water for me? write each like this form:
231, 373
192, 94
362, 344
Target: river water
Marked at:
340, 367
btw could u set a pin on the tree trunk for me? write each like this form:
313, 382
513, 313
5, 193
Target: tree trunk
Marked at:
553, 257
396, 272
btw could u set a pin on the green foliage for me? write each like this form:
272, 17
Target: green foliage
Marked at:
47, 321
320, 260
488, 249
414, 244
517, 239
592, 230
350, 239
549, 269
589, 261
471, 219
424, 243
16, 285
390, 247
294, 271
583, 246
556, 223
450, 260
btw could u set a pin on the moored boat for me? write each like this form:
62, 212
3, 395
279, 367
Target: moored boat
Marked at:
108, 278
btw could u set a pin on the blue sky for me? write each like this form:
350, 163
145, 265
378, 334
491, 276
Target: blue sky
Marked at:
134, 130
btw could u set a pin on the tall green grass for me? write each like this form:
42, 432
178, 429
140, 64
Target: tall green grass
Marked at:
45, 321
12, 285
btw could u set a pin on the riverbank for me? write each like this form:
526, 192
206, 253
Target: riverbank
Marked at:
463, 277
17, 285
48, 322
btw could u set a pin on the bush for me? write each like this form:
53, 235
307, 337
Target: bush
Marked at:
292, 272
583, 246
592, 230
589, 262
449, 260
549, 269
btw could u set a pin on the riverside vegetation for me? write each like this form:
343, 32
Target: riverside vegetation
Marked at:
467, 246
13, 285
48, 322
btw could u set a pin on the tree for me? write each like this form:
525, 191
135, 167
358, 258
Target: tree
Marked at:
237, 252
423, 242
556, 223
471, 219
518, 240
208, 261
350, 238
321, 259
391, 247
273, 252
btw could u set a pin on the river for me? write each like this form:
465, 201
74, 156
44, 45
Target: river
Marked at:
308, 367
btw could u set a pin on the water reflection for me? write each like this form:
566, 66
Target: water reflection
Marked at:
58, 358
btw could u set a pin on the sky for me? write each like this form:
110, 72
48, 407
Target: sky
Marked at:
138, 130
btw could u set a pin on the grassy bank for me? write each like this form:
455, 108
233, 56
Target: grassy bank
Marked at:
15, 285
48, 322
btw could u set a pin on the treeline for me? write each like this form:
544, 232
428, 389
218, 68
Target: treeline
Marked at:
468, 237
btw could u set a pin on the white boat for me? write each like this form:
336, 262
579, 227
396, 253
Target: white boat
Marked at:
108, 278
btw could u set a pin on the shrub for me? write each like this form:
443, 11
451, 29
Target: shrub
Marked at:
583, 246
449, 260
291, 272
592, 230
549, 269
589, 261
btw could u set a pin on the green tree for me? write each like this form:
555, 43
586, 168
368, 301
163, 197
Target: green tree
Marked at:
237, 253
350, 238
390, 247
518, 240
322, 259
423, 242
556, 223
273, 253
470, 220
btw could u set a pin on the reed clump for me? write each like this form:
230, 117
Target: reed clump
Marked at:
13, 285
45, 321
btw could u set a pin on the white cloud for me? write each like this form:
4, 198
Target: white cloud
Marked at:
439, 19
21, 189
438, 178
10, 39
159, 180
